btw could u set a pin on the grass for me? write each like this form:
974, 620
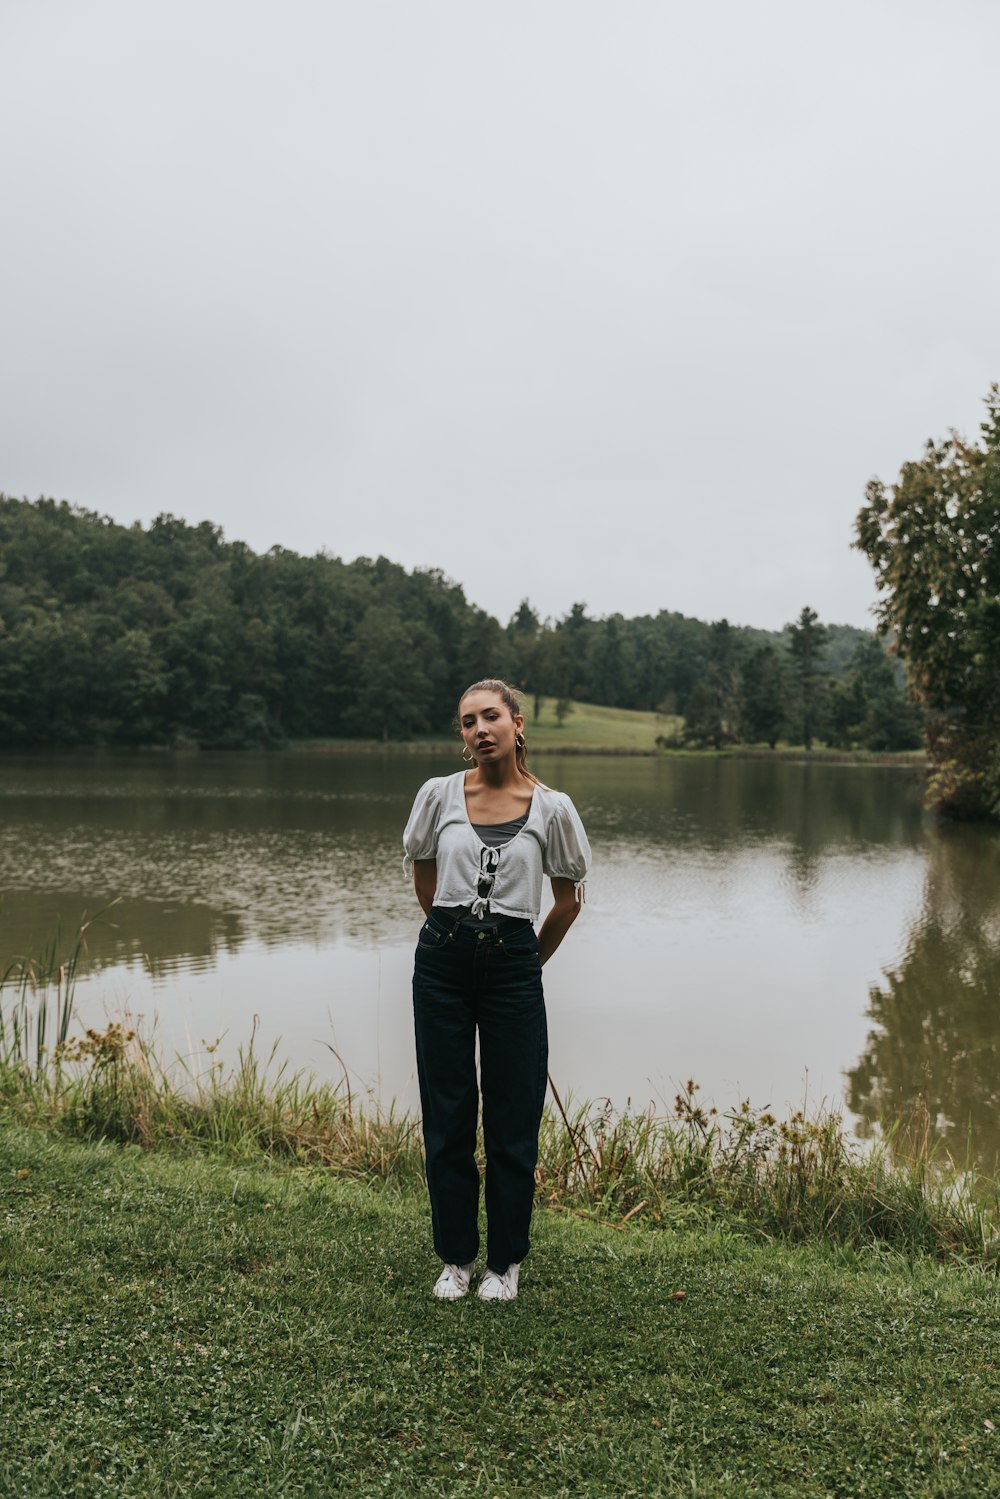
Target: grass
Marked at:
216, 1282
591, 727
588, 729
595, 730
181, 1325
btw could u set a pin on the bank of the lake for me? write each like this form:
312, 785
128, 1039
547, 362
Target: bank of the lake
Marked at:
181, 1324
801, 1178
789, 754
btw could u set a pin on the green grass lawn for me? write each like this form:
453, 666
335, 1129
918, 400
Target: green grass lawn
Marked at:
176, 1325
592, 727
588, 727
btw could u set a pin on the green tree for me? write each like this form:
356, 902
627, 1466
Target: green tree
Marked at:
611, 662
806, 640
726, 675
712, 713
763, 706
524, 631
933, 539
576, 628
869, 707
703, 724
390, 690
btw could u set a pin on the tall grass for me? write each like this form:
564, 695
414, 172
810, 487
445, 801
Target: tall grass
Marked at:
113, 1084
800, 1178
42, 990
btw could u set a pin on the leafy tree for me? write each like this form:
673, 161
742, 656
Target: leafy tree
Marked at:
933, 539
806, 640
725, 675
845, 711
389, 685
713, 709
576, 629
131, 686
553, 668
703, 724
764, 696
524, 634
868, 707
611, 662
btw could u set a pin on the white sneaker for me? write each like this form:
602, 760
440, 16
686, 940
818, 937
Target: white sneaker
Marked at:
453, 1282
494, 1287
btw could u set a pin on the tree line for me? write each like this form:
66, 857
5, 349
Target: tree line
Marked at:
169, 634
731, 685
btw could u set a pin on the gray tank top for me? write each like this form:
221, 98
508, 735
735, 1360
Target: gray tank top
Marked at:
496, 834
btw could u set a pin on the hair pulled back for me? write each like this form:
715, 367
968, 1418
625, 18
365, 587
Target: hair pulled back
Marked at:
510, 700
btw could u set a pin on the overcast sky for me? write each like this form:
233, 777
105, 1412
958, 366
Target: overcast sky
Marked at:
612, 302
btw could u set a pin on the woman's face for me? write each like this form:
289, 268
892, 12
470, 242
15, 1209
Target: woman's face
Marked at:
486, 725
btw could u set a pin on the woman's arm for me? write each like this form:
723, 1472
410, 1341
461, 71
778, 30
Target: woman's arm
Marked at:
568, 900
425, 879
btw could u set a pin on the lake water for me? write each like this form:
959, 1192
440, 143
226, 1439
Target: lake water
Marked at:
774, 931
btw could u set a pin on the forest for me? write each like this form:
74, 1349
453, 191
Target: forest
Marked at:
171, 635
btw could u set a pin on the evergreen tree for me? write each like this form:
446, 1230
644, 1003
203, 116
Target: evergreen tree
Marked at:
764, 698
806, 640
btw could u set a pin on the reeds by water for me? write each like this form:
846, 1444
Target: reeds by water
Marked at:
745, 1171
801, 1178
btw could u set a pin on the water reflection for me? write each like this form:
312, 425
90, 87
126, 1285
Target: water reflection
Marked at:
208, 851
161, 936
936, 1015
204, 851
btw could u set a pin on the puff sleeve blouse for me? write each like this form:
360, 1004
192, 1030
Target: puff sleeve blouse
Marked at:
552, 842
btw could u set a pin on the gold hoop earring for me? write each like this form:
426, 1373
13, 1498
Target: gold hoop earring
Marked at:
519, 740
468, 756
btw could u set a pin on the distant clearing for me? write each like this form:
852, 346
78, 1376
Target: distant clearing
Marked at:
587, 727
592, 727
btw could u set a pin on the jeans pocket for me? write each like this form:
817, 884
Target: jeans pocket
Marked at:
431, 938
521, 947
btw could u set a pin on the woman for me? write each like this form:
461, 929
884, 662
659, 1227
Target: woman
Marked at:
480, 842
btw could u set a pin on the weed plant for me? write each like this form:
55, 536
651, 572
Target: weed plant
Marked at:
800, 1178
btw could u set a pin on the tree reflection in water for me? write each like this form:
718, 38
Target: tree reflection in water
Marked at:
935, 1044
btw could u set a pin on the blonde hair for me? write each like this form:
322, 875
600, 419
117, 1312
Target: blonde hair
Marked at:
510, 700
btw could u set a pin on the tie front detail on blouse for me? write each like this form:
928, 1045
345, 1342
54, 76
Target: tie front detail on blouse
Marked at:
551, 842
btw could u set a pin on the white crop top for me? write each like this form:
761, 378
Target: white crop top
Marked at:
552, 842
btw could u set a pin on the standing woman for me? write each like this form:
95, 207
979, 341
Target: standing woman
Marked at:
481, 841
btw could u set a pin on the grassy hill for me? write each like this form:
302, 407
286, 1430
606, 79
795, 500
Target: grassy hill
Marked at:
593, 729
588, 727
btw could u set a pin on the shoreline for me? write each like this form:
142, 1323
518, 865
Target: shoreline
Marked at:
803, 1178
911, 759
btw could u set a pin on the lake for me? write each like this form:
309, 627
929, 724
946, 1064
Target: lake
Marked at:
787, 933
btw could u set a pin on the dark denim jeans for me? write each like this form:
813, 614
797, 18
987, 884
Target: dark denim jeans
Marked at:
486, 977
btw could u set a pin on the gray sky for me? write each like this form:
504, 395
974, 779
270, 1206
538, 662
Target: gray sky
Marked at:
620, 303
